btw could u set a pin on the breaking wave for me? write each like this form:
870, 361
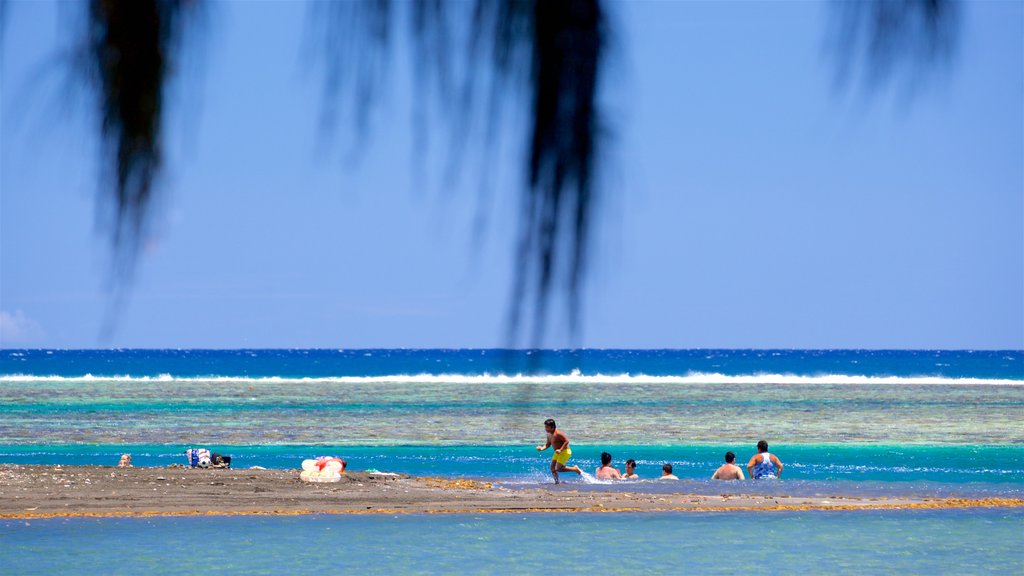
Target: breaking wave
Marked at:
574, 377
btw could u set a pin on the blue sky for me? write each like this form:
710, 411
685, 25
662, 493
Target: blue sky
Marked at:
747, 201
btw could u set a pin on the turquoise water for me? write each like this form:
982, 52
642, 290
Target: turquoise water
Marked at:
865, 542
850, 469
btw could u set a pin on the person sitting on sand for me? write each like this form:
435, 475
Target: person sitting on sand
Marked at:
605, 470
729, 470
560, 442
666, 473
223, 461
126, 461
630, 470
764, 466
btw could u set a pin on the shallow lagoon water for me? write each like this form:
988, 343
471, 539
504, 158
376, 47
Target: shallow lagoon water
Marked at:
489, 412
861, 542
863, 470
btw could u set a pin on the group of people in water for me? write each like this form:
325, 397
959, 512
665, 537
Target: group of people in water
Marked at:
762, 465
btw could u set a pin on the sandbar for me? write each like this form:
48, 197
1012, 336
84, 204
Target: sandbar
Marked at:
36, 491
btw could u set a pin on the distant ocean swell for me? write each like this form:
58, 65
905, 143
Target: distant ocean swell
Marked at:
712, 366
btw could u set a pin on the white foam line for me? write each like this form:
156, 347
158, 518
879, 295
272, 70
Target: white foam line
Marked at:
572, 378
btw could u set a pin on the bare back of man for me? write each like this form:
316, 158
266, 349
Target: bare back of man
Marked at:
605, 470
728, 472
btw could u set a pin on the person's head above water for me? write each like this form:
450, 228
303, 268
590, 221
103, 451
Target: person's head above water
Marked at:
730, 457
762, 446
667, 468
606, 458
550, 424
630, 463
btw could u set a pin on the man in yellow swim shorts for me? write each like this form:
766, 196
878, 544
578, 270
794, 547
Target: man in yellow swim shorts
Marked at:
560, 442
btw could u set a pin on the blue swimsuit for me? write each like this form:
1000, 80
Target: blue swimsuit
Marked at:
764, 469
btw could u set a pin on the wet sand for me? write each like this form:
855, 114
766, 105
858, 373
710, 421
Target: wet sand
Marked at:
49, 491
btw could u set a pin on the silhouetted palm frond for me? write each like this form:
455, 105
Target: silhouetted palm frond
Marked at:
548, 52
131, 45
890, 35
548, 55
3, 19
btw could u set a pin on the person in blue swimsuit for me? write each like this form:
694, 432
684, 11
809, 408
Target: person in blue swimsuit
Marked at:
764, 466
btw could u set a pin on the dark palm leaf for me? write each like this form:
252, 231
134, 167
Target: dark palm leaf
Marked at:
131, 44
893, 35
550, 53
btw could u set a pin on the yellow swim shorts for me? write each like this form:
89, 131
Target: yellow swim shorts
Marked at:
563, 456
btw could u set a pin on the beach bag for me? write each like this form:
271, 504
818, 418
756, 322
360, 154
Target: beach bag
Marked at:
198, 457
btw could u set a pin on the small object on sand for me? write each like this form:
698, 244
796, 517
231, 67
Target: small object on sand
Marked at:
256, 468
198, 457
322, 469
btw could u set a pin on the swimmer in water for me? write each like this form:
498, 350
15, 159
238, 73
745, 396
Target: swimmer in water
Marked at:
729, 470
666, 473
630, 470
605, 470
764, 466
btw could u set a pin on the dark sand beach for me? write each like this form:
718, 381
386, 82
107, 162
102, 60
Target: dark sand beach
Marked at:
52, 491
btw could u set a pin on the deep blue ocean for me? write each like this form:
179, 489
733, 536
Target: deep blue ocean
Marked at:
970, 364
852, 422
